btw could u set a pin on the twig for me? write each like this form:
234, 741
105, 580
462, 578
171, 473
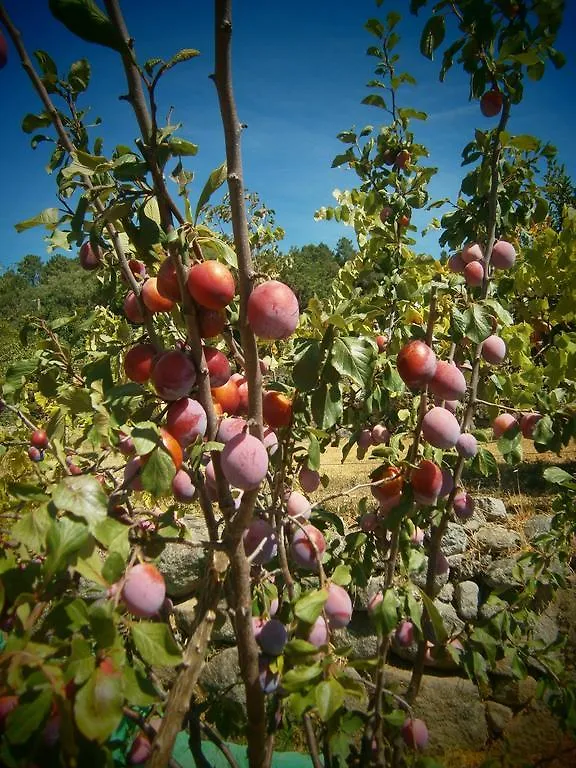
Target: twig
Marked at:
312, 742
216, 739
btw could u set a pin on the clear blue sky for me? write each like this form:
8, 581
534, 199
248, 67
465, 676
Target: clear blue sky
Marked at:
300, 70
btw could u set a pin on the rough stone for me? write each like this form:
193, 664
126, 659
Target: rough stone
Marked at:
476, 521
491, 608
453, 624
466, 595
184, 614
493, 509
360, 635
365, 594
180, 564
496, 538
468, 566
498, 717
499, 574
455, 540
221, 674
537, 525
446, 594
419, 577
512, 692
451, 708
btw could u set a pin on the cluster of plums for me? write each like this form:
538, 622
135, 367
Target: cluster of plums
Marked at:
470, 261
38, 443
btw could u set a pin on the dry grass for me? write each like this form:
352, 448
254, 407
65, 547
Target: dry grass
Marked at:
523, 487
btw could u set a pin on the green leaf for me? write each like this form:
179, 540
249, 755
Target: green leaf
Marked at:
113, 567
474, 323
215, 180
26, 719
484, 463
354, 357
309, 607
98, 705
327, 405
432, 36
32, 123
341, 575
313, 452
182, 148
101, 616
48, 218
155, 644
374, 100
298, 647
79, 75
329, 698
64, 538
433, 615
138, 689
307, 363
385, 614
158, 472
301, 676
114, 535
146, 437
85, 20
560, 477
83, 497
32, 529
184, 55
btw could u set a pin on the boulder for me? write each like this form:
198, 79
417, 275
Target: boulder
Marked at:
492, 509
466, 596
455, 540
537, 525
498, 716
496, 539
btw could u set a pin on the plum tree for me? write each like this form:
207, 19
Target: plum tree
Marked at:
132, 309
273, 311
404, 635
463, 505
471, 252
277, 409
528, 423
416, 363
174, 375
503, 255
143, 590
260, 542
308, 547
273, 637
39, 439
211, 284
167, 281
467, 446
139, 362
338, 607
474, 274
297, 505
182, 487
140, 750
503, 423
415, 733
448, 382
318, 634
244, 461
440, 428
426, 481
494, 349
211, 322
227, 397
491, 103
153, 299
218, 366
309, 479
390, 482
90, 256
186, 420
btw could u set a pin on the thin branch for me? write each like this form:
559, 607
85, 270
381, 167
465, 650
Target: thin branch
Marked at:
312, 742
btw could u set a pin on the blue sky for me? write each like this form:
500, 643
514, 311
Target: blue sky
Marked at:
300, 71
